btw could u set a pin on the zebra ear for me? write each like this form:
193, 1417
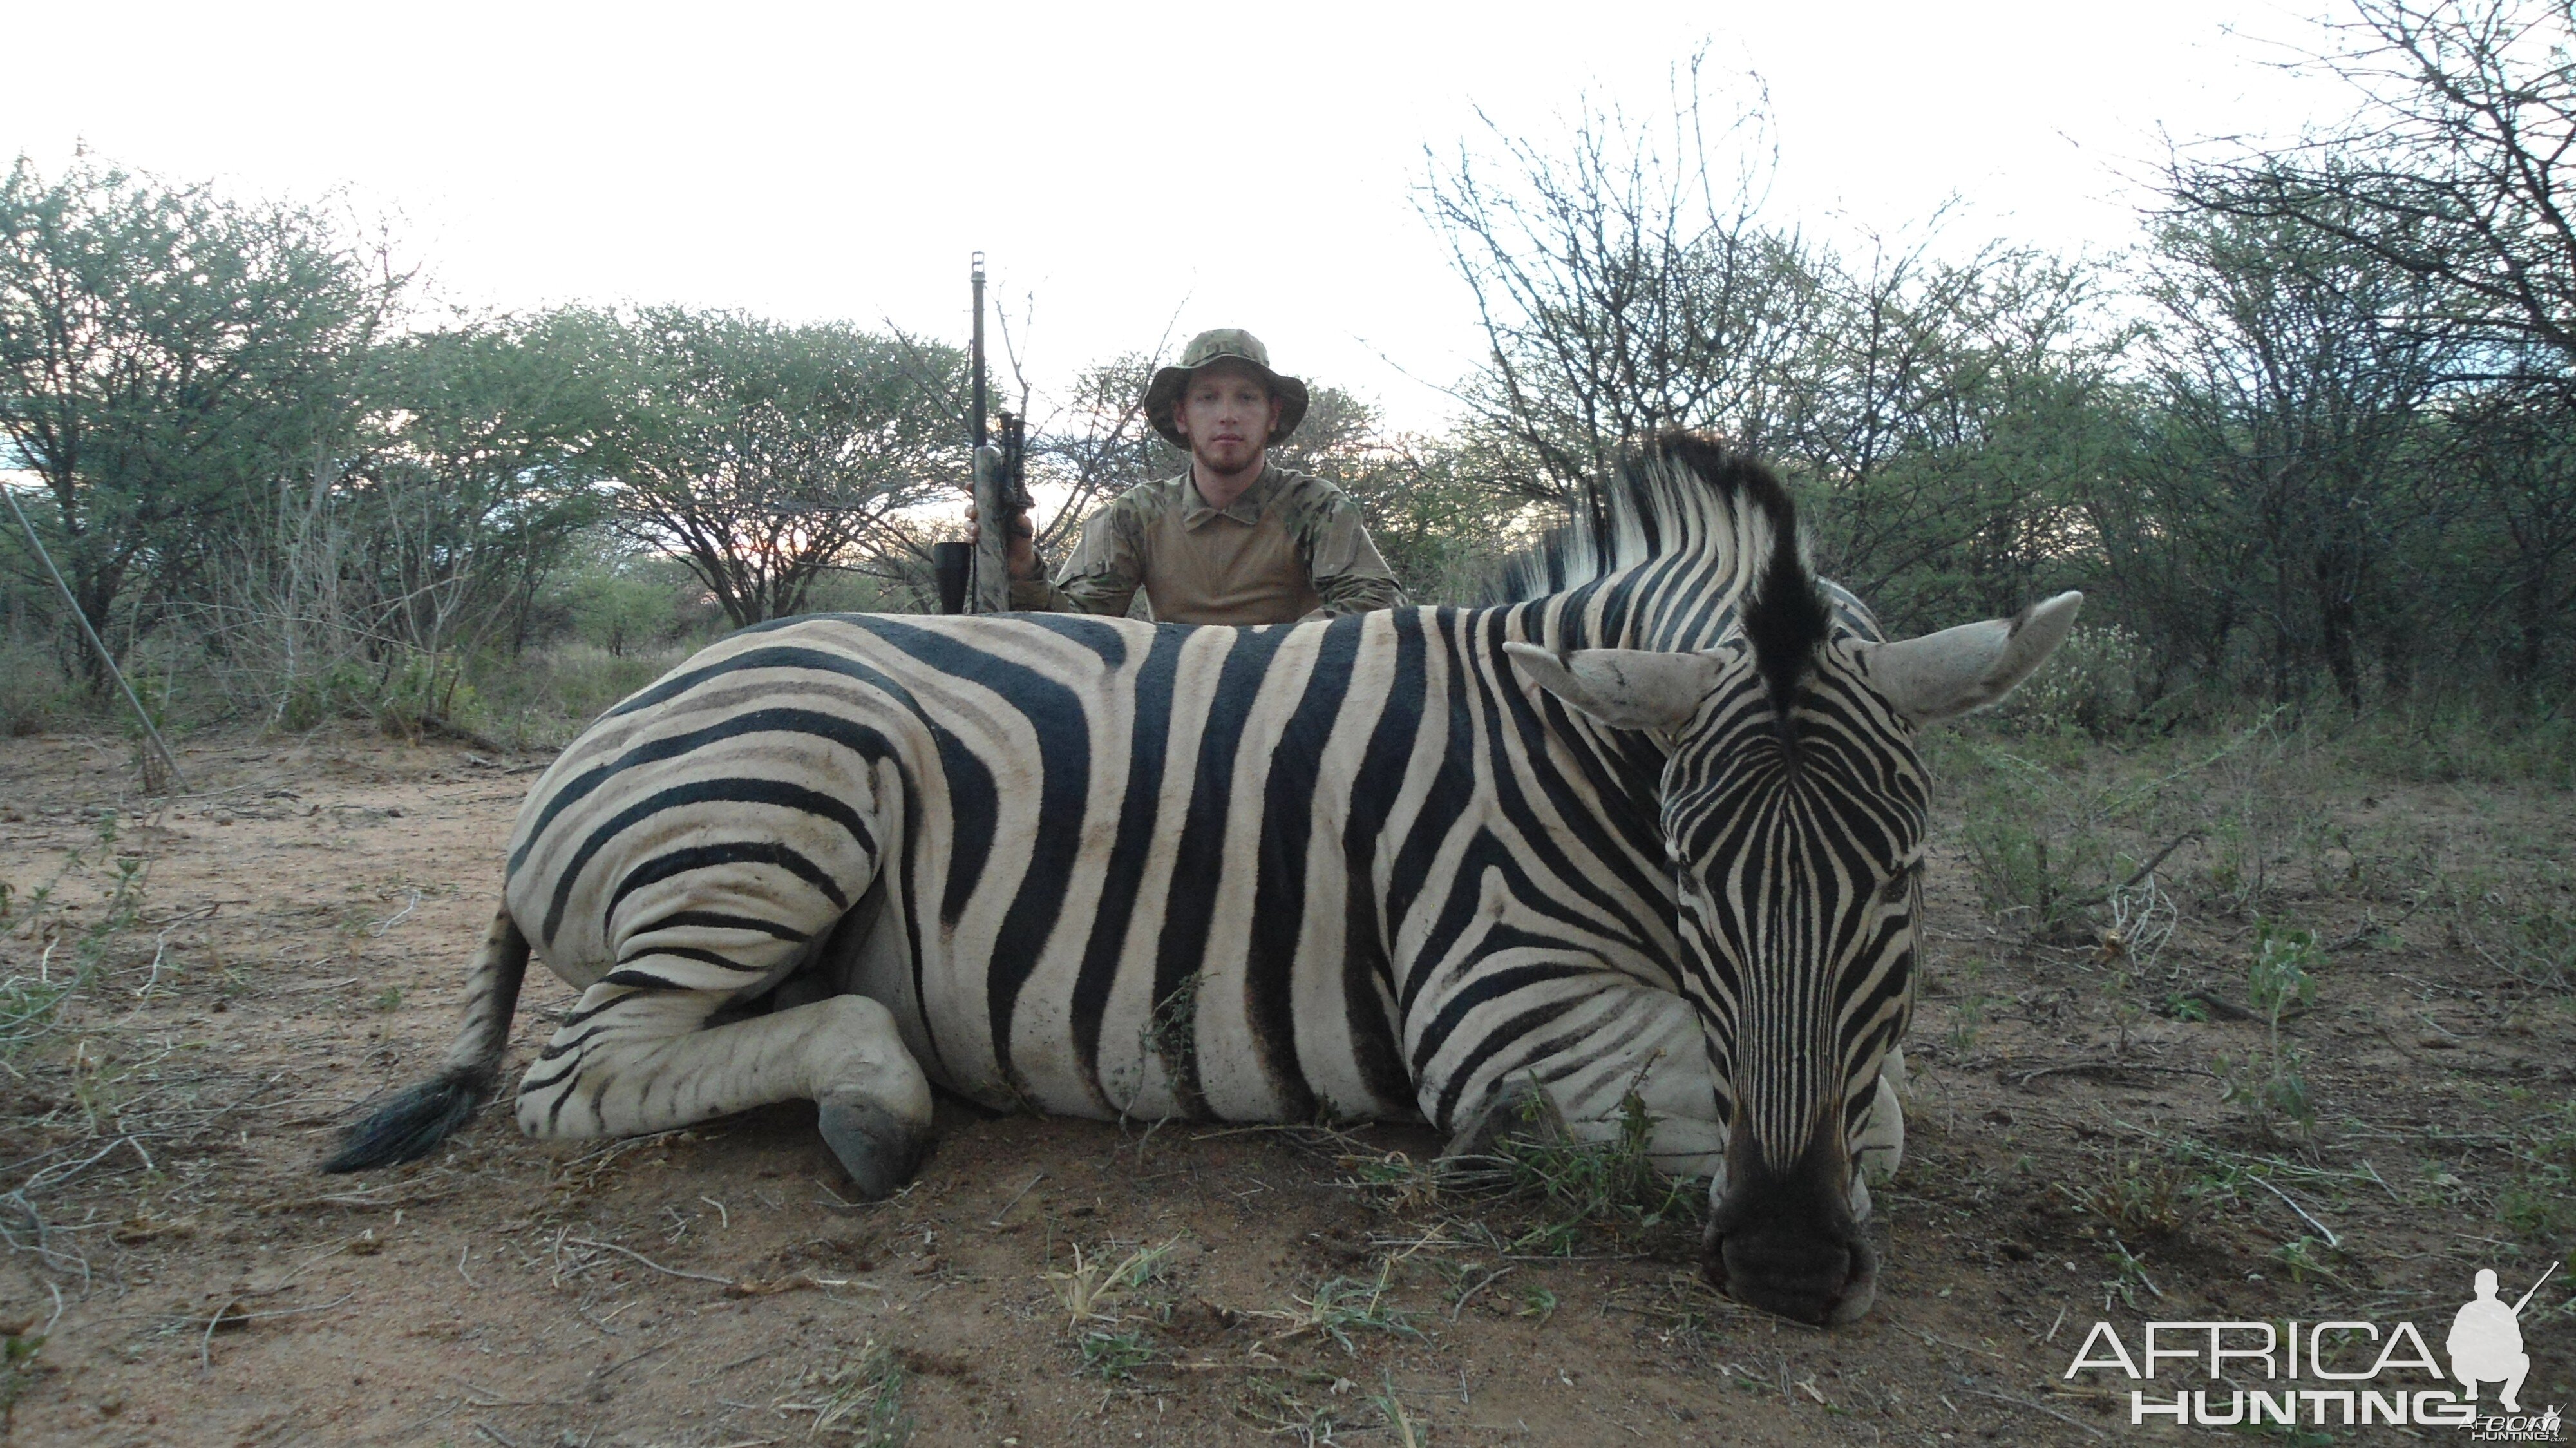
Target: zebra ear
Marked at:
1942, 675
1623, 688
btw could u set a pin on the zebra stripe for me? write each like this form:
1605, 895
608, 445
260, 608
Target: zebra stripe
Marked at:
1392, 865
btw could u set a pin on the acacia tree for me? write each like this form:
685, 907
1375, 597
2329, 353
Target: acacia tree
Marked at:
2456, 166
2455, 169
764, 455
1948, 413
2292, 390
492, 446
165, 353
375, 564
1098, 444
1943, 411
1622, 288
2516, 446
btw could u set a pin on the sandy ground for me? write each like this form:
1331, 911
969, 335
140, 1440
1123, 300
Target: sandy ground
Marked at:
307, 918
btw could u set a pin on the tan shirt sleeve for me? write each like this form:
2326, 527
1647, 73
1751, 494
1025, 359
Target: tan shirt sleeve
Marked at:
1101, 577
1343, 562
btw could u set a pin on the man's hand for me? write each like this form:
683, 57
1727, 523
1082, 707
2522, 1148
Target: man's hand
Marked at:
1020, 555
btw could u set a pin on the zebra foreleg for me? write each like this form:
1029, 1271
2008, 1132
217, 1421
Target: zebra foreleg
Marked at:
633, 1060
1882, 1141
1629, 1055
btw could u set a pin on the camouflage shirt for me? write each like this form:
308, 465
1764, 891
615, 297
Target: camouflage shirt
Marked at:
1291, 547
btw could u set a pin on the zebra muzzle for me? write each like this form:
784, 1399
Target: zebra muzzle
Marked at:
1786, 1241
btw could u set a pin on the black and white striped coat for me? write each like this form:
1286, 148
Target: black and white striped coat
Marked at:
1653, 831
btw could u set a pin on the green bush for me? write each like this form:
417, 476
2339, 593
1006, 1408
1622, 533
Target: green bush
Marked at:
632, 603
2466, 734
2024, 880
403, 697
2091, 683
2037, 828
2280, 978
339, 692
425, 695
40, 695
542, 698
844, 592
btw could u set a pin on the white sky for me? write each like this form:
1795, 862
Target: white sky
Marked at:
1136, 169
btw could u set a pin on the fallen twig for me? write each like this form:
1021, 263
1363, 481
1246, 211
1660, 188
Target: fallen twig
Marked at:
2331, 1239
2143, 872
649, 1262
2039, 1408
713, 1373
378, 929
1015, 1199
319, 985
2220, 1006
2093, 1068
1488, 1280
358, 1201
2370, 926
603, 1374
1939, 1341
206, 1344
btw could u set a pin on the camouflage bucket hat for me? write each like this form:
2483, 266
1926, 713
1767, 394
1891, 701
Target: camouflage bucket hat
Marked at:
1225, 344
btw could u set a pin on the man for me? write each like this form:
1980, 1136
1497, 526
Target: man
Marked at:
1234, 540
2486, 1342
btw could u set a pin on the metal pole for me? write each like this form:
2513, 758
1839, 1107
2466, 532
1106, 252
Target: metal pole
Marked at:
104, 657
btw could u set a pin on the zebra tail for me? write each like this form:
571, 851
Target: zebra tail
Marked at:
417, 1119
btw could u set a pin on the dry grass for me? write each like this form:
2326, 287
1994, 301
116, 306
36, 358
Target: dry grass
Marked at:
2071, 1108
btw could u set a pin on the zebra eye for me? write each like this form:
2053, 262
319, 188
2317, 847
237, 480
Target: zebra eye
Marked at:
1894, 891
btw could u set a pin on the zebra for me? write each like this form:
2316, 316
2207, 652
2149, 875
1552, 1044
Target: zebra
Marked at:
1651, 832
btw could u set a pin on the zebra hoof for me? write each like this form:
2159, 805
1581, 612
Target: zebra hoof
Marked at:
878, 1149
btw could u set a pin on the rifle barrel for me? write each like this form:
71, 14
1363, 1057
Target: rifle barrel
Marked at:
981, 433
2535, 1287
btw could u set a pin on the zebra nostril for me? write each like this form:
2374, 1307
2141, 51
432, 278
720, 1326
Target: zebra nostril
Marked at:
1793, 1273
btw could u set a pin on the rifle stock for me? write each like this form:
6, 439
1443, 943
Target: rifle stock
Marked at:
993, 513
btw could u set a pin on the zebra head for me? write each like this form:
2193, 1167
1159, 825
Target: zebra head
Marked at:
1792, 808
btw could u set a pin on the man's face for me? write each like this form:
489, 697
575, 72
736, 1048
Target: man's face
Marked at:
1227, 413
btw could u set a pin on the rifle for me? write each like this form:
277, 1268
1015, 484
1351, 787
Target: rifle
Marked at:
1001, 481
2535, 1287
975, 576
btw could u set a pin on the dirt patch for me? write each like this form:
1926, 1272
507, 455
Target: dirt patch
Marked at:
2073, 1155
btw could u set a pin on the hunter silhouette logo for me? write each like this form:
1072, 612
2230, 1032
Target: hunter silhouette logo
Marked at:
2486, 1341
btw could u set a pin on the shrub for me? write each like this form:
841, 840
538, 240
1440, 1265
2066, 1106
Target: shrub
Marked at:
633, 604
2091, 683
542, 698
40, 695
2279, 978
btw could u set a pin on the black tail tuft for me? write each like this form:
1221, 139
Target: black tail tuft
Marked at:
412, 1124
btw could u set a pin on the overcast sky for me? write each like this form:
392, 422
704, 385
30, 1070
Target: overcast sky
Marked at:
1136, 170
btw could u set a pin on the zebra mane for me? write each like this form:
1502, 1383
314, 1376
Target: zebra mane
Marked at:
1687, 497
